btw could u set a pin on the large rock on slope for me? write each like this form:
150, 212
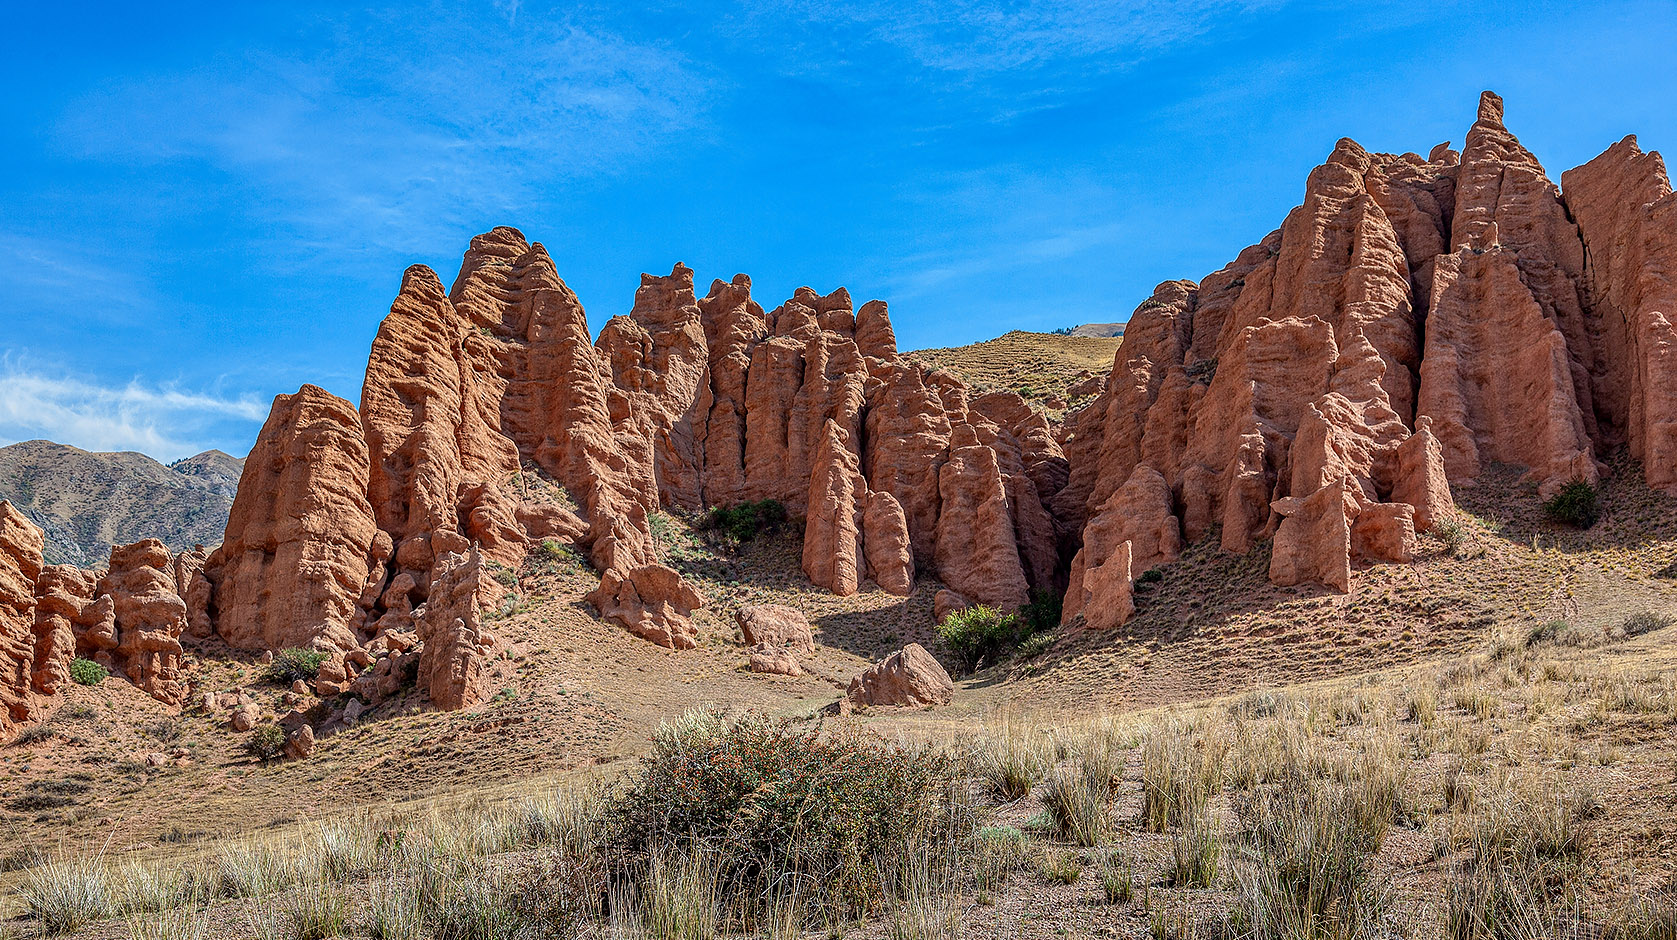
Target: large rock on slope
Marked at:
910, 676
300, 542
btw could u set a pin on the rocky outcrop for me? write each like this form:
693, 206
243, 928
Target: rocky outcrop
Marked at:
1292, 395
774, 637
301, 541
833, 555
910, 676
454, 645
775, 625
149, 619
1627, 218
685, 402
654, 603
20, 643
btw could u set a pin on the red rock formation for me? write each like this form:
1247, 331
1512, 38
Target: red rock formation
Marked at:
1497, 381
150, 618
299, 547
775, 625
62, 596
20, 644
910, 676
977, 549
886, 543
455, 646
1420, 478
1297, 371
1628, 219
774, 635
653, 602
833, 555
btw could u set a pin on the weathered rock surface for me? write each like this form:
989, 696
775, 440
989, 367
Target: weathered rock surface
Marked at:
299, 546
1627, 218
454, 644
775, 660
910, 676
684, 402
149, 618
1291, 394
20, 643
775, 625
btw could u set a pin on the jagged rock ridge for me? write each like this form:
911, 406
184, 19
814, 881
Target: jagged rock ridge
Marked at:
1413, 321
483, 401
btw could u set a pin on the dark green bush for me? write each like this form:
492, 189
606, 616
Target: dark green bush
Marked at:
293, 664
1043, 612
1150, 576
1573, 505
87, 672
266, 742
745, 521
775, 801
979, 633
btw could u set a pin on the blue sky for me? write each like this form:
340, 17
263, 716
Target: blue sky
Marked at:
205, 205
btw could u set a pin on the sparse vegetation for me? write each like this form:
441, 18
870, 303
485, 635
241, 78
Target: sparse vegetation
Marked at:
773, 801
87, 672
266, 742
743, 522
1451, 531
1574, 504
289, 665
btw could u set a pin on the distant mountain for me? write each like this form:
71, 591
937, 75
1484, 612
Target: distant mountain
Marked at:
87, 502
1098, 329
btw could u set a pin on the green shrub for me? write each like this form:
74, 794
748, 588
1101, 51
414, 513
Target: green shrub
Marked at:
87, 672
745, 521
1150, 576
979, 633
1452, 531
1043, 612
774, 801
266, 742
1573, 505
293, 664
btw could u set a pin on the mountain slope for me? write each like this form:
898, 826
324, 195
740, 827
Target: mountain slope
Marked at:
1039, 366
87, 502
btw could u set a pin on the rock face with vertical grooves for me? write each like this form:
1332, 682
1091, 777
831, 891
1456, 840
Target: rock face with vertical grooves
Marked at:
22, 643
292, 570
1294, 396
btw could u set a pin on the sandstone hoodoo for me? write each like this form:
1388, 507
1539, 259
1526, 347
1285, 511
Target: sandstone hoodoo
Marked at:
489, 421
1415, 320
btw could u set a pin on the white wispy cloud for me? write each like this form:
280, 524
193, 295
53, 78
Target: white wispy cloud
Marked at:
389, 128
165, 421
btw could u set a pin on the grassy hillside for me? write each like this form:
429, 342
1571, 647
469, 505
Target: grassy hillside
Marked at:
1039, 366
